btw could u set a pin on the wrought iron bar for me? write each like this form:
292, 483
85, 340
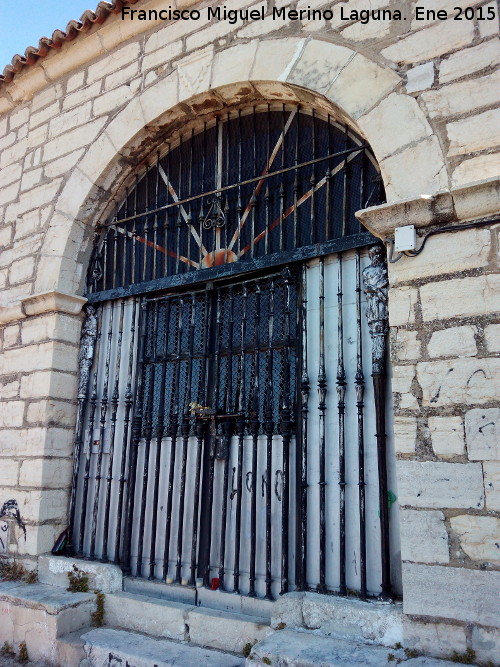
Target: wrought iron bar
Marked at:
341, 388
254, 429
88, 458
240, 430
322, 389
126, 425
85, 361
376, 283
359, 384
134, 446
160, 429
286, 432
301, 577
100, 444
155, 224
147, 432
269, 431
200, 436
174, 425
296, 176
114, 410
313, 181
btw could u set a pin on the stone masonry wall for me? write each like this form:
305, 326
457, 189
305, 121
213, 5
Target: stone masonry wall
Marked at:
424, 94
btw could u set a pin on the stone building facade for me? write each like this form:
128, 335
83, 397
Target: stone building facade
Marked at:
77, 116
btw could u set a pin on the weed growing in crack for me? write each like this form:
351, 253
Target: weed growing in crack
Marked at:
97, 617
78, 581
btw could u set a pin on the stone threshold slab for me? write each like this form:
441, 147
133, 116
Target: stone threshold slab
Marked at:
104, 645
41, 596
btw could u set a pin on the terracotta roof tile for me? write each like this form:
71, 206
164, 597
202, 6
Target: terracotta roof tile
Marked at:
73, 29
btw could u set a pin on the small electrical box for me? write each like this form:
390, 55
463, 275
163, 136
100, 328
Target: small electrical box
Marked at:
405, 238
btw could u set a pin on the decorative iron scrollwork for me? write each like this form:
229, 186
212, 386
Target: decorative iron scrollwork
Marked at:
376, 284
87, 345
216, 217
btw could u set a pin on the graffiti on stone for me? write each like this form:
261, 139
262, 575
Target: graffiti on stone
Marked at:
10, 509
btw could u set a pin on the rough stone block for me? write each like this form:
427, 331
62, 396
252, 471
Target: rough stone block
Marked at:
287, 610
458, 381
195, 72
402, 380
492, 337
431, 42
420, 77
453, 342
460, 297
11, 414
69, 119
50, 473
474, 133
70, 141
492, 484
238, 629
352, 619
51, 412
423, 537
470, 60
53, 326
53, 570
445, 253
439, 591
440, 485
427, 176
486, 644
439, 639
478, 536
9, 472
482, 432
405, 434
405, 345
119, 59
447, 436
462, 97
318, 65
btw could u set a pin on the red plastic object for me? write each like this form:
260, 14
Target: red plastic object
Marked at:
215, 583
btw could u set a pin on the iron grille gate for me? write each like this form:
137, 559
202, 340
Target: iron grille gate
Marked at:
229, 431
243, 447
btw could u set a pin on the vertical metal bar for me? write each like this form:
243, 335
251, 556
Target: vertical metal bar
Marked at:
313, 181
166, 239
92, 410
148, 434
341, 386
376, 283
126, 244
227, 429
240, 431
267, 195
201, 215
85, 362
115, 251
239, 206
286, 432
160, 428
209, 462
155, 224
322, 389
344, 193
296, 177
328, 176
359, 384
254, 429
185, 431
282, 180
146, 227
105, 282
175, 415
114, 410
134, 232
189, 219
302, 473
254, 198
179, 207
269, 430
200, 436
126, 426
136, 437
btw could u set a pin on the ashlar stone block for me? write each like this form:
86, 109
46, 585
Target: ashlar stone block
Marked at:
405, 434
420, 77
462, 97
447, 436
424, 538
492, 337
453, 342
439, 591
478, 536
486, 644
318, 65
431, 484
474, 133
491, 471
457, 381
476, 169
482, 432
460, 297
470, 60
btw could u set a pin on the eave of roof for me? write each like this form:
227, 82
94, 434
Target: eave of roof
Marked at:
73, 29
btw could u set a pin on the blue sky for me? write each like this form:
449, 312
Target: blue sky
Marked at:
23, 23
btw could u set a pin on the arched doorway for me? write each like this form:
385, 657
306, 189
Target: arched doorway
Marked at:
224, 402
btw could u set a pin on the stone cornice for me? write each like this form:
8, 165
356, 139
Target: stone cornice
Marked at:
469, 202
45, 302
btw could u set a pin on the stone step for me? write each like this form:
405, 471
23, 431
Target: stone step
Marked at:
303, 649
70, 651
38, 614
211, 628
200, 597
106, 646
